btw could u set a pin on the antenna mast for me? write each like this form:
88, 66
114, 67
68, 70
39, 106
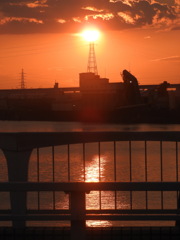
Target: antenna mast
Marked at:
92, 66
22, 79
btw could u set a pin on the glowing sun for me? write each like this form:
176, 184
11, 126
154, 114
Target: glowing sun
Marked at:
91, 35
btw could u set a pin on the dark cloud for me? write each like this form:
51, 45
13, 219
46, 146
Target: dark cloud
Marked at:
28, 16
176, 28
169, 2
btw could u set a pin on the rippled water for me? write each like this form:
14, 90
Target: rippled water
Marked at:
27, 126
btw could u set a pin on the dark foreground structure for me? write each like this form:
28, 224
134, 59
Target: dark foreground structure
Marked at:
17, 149
124, 233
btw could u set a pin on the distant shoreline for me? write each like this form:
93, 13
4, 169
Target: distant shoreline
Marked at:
122, 116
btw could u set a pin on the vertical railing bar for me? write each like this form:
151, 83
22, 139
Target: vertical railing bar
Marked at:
115, 161
130, 161
38, 177
131, 200
68, 152
145, 152
146, 171
161, 163
53, 169
99, 152
177, 173
161, 159
53, 164
69, 177
115, 166
84, 161
177, 164
162, 199
38, 164
130, 170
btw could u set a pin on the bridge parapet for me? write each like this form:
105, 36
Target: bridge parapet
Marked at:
18, 147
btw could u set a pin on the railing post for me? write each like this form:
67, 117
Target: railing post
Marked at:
17, 162
78, 212
178, 207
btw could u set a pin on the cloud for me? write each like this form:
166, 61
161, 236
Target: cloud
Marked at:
71, 15
169, 59
147, 37
176, 28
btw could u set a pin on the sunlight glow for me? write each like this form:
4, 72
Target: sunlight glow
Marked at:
92, 169
91, 35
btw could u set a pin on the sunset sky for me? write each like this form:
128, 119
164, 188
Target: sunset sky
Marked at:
43, 38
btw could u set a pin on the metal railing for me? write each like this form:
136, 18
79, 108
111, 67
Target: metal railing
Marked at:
129, 171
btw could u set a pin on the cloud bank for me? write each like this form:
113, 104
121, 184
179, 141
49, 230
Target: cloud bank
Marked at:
56, 16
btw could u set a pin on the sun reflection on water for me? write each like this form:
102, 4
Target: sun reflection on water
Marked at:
98, 223
94, 173
92, 170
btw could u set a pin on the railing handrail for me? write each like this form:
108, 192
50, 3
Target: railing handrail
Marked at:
89, 186
17, 141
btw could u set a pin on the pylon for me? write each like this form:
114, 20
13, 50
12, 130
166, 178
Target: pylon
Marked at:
22, 79
92, 66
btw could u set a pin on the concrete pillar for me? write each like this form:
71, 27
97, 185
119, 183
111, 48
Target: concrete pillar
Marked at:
78, 212
17, 162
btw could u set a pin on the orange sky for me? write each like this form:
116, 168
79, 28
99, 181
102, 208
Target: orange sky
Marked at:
150, 52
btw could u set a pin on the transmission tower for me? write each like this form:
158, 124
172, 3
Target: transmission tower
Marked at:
22, 79
92, 66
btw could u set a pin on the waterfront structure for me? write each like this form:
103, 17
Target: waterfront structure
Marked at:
95, 99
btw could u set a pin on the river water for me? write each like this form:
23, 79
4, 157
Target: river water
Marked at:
30, 126
97, 167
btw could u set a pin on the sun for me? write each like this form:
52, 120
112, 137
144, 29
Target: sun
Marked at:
91, 35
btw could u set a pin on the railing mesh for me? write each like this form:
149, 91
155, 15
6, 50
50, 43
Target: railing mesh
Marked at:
117, 161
